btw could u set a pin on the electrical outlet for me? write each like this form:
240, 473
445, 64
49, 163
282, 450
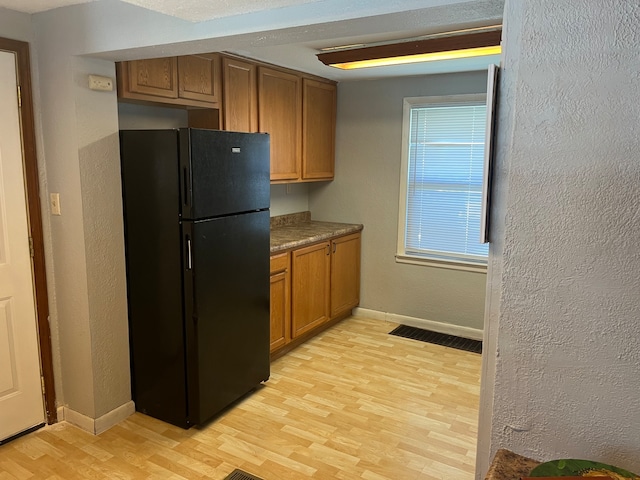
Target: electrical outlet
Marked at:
96, 82
55, 203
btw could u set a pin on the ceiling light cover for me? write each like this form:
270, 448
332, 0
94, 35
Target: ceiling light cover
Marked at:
441, 47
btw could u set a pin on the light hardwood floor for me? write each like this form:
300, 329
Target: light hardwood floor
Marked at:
352, 403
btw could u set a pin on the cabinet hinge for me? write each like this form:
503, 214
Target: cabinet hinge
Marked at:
31, 249
19, 97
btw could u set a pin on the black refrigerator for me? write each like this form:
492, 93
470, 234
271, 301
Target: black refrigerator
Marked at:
196, 217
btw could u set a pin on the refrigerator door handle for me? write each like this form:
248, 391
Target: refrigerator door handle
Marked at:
189, 262
185, 186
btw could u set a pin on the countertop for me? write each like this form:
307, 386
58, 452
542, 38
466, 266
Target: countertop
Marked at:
298, 230
507, 465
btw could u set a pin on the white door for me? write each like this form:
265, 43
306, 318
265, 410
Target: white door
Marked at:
21, 400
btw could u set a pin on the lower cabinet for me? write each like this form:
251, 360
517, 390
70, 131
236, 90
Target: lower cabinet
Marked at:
280, 301
345, 274
312, 286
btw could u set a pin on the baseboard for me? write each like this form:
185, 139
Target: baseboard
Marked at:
447, 328
96, 425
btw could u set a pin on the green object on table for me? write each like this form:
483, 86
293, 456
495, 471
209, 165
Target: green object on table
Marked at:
569, 467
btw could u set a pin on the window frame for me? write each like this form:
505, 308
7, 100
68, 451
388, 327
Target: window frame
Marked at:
401, 255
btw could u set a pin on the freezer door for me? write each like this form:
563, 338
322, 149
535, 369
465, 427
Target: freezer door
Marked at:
228, 260
223, 172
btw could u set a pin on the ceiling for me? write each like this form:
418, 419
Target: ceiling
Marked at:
300, 52
191, 10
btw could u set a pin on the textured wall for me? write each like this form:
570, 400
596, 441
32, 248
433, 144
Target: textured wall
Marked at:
366, 190
104, 236
566, 357
68, 288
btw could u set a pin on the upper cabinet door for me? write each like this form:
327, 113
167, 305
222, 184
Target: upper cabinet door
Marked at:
240, 95
199, 77
318, 129
279, 115
155, 76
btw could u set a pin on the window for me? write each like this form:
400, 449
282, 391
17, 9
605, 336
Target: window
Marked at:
441, 189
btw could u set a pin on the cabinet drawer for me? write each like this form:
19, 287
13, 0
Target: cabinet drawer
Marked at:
279, 263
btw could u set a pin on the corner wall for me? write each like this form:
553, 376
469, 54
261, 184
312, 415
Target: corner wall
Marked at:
15, 25
566, 305
367, 188
79, 147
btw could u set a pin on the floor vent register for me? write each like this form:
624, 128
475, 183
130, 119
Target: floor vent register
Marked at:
241, 475
443, 339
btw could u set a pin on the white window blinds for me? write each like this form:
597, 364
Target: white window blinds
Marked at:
444, 181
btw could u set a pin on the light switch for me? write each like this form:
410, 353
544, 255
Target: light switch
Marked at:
97, 82
55, 203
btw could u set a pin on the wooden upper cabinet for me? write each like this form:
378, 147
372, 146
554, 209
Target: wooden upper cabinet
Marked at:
318, 129
297, 110
279, 115
154, 76
189, 81
240, 95
199, 77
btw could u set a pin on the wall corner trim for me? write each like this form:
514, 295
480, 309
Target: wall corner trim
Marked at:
96, 425
446, 328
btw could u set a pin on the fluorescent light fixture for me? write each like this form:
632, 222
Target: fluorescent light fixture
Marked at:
423, 57
450, 45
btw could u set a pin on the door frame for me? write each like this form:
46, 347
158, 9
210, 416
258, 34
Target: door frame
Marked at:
34, 215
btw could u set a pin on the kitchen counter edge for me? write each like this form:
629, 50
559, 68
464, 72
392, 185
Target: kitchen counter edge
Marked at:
291, 237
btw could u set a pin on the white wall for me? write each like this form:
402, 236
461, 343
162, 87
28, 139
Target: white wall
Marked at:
290, 198
132, 116
562, 377
15, 25
366, 190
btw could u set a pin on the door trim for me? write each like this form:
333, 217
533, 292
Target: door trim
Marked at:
34, 213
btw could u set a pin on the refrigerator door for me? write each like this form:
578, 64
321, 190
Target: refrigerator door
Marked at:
227, 266
223, 172
154, 273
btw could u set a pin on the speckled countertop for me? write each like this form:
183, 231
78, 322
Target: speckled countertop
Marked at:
297, 230
507, 465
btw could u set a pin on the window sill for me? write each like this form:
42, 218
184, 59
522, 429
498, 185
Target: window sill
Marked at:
451, 265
